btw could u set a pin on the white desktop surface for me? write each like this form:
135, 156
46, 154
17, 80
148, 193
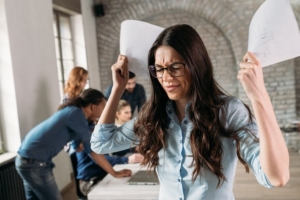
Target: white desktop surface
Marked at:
117, 188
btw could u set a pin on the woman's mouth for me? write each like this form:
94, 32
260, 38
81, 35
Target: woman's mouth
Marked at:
171, 88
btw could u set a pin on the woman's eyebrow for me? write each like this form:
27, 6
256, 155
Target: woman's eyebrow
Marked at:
157, 65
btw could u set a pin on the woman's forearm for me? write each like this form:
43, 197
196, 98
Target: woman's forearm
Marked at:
109, 113
120, 79
274, 156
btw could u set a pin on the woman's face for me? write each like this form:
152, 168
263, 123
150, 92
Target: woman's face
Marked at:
176, 87
124, 114
83, 82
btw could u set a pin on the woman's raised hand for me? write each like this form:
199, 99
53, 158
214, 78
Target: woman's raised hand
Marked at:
251, 77
120, 72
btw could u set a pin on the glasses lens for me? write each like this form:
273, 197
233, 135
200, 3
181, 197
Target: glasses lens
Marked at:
152, 70
177, 69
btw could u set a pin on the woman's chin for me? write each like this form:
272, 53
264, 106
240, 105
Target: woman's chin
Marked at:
173, 97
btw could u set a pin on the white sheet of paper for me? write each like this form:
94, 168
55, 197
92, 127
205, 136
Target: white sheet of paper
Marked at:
136, 39
273, 33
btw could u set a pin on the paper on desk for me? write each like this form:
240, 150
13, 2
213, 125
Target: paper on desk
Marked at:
273, 33
136, 39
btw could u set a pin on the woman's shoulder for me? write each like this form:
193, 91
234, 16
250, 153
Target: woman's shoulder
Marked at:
231, 102
234, 111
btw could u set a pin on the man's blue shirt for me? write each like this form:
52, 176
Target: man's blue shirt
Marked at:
87, 167
136, 98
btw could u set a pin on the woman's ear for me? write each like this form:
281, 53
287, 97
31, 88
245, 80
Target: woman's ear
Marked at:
117, 114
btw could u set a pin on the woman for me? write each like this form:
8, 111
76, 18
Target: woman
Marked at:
75, 85
123, 113
46, 140
190, 131
76, 82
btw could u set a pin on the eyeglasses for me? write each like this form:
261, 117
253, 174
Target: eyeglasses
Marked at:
175, 69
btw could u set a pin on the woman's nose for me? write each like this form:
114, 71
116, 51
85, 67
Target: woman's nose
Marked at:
166, 75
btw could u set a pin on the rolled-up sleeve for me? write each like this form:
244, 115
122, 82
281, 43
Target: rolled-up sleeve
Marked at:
238, 117
107, 138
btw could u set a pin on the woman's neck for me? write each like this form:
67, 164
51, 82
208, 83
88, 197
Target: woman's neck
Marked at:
118, 123
180, 109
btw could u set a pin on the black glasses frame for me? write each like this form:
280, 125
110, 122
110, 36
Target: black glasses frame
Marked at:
152, 70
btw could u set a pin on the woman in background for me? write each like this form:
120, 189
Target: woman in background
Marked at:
123, 113
76, 83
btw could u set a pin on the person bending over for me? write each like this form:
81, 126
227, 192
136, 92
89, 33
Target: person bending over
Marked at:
47, 139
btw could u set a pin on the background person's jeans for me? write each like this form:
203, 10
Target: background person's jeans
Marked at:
38, 179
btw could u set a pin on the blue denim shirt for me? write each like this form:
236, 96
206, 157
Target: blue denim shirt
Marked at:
48, 138
175, 170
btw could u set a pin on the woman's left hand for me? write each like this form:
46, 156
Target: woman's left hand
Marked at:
251, 77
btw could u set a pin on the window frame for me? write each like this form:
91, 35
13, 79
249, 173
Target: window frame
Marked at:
56, 16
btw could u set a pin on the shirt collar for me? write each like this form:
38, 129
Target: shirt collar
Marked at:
170, 108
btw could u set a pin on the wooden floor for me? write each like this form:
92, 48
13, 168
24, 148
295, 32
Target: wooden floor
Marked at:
247, 188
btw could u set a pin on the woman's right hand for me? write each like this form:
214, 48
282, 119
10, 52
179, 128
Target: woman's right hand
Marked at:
122, 173
120, 73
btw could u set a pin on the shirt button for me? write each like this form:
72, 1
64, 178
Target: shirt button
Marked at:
180, 141
178, 180
185, 122
178, 161
180, 198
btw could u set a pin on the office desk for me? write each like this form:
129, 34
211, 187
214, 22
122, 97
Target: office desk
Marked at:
117, 188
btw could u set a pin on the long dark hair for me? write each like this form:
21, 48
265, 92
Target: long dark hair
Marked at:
207, 100
87, 97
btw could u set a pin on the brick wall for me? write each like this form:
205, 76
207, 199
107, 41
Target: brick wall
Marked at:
223, 26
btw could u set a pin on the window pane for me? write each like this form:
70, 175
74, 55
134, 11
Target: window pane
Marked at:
68, 66
57, 51
65, 28
67, 50
60, 78
87, 86
55, 25
61, 88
